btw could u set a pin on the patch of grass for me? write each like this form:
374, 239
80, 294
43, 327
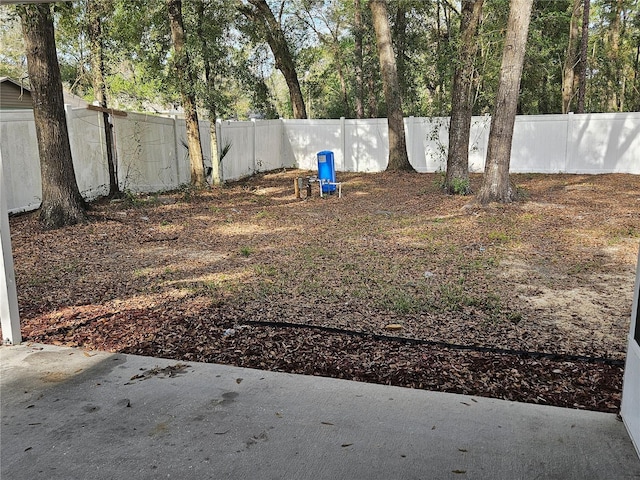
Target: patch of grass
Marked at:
627, 232
315, 254
496, 236
451, 297
584, 267
266, 270
37, 281
246, 251
522, 194
478, 264
71, 267
140, 272
460, 186
400, 301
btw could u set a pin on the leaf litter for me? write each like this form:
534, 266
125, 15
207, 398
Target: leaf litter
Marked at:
528, 301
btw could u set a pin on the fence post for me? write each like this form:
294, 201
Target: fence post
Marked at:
255, 136
411, 138
219, 166
68, 113
283, 150
343, 143
9, 313
175, 148
569, 148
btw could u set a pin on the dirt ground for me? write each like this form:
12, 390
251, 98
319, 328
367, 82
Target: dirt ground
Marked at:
393, 283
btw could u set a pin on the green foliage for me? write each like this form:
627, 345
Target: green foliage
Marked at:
460, 186
236, 75
13, 63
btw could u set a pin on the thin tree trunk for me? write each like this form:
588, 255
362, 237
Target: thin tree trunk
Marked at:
636, 77
182, 67
343, 87
570, 63
358, 29
216, 178
457, 178
584, 48
263, 16
613, 82
372, 97
62, 203
496, 185
398, 158
95, 10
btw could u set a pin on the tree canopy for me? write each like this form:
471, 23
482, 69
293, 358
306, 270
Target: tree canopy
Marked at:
333, 52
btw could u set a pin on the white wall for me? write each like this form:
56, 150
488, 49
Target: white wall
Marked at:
151, 155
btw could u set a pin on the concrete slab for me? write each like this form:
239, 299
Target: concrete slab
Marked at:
69, 414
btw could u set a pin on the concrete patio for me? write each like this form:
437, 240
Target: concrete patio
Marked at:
70, 414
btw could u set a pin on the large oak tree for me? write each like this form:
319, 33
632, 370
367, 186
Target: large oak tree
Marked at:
496, 185
96, 9
182, 66
62, 203
457, 178
398, 157
269, 28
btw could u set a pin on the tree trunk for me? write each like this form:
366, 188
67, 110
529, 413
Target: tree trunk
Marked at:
570, 63
614, 94
95, 10
398, 158
343, 88
209, 76
358, 29
400, 30
636, 77
262, 15
183, 71
457, 178
62, 203
372, 97
496, 185
584, 48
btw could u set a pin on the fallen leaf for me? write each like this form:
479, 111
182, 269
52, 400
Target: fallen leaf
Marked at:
393, 326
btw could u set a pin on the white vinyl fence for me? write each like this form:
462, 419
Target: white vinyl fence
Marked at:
151, 153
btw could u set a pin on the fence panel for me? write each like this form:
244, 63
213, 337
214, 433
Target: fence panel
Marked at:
88, 150
20, 161
539, 144
603, 143
148, 157
366, 145
270, 154
239, 161
152, 155
308, 137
